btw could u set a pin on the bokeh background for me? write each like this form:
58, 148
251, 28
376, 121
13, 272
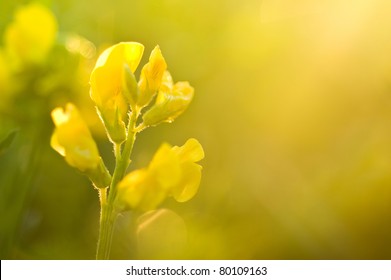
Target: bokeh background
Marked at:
292, 107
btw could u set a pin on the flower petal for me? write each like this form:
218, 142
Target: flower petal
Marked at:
191, 151
124, 52
56, 145
151, 77
131, 190
190, 181
166, 86
165, 166
169, 105
138, 190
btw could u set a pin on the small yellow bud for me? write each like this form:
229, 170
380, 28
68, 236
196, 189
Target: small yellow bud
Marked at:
171, 102
151, 77
31, 35
107, 86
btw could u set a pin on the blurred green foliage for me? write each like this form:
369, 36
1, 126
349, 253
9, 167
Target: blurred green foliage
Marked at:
292, 106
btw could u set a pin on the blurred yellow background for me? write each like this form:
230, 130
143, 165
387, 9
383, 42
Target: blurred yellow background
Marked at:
292, 106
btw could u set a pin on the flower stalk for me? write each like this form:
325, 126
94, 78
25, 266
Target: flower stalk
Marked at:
173, 172
108, 211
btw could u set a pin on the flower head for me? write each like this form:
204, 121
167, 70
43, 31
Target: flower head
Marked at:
173, 171
31, 35
107, 85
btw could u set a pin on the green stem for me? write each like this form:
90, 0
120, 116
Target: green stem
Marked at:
104, 232
108, 211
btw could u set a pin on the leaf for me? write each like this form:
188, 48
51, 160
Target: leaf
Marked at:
7, 141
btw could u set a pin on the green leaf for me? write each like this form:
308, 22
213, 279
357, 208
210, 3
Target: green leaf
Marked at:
7, 141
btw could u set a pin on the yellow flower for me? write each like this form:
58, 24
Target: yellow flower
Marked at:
107, 85
31, 35
72, 139
172, 101
151, 77
173, 171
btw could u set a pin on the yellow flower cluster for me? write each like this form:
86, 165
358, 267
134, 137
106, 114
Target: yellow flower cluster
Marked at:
114, 88
173, 171
120, 99
126, 105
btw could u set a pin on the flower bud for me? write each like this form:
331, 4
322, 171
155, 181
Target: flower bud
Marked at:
151, 77
171, 102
